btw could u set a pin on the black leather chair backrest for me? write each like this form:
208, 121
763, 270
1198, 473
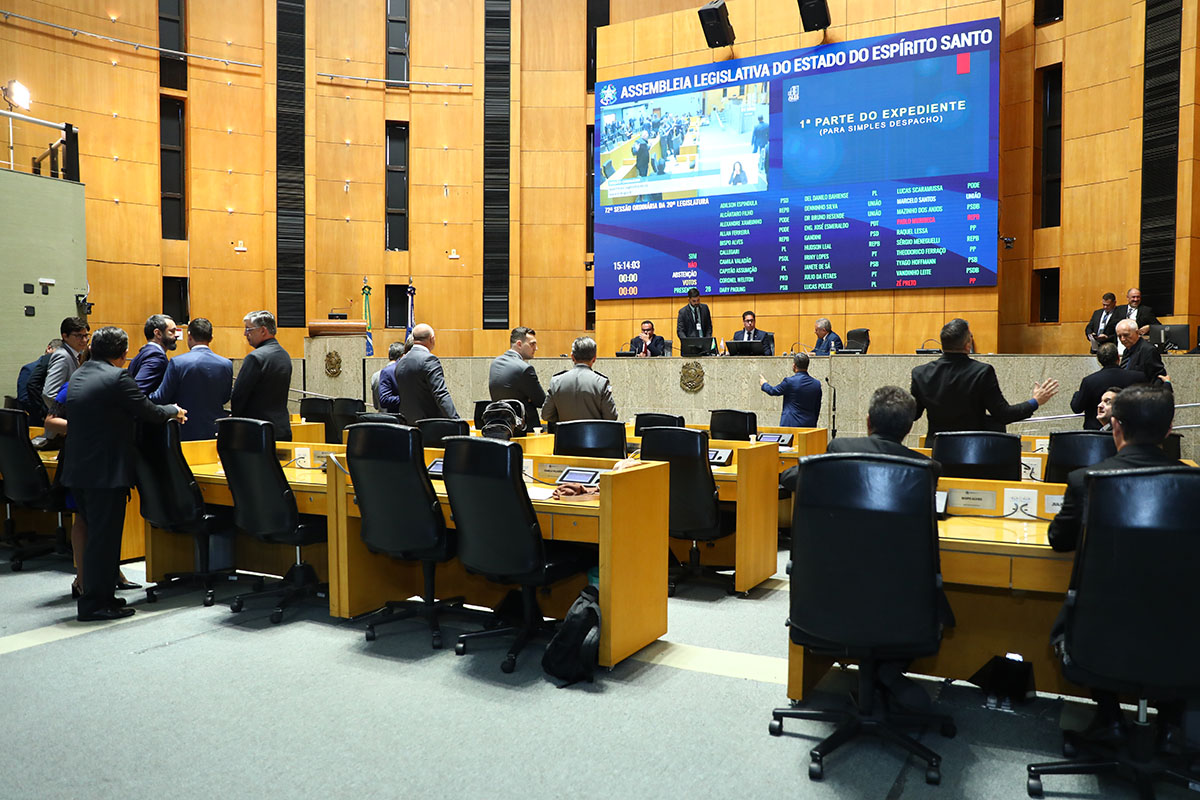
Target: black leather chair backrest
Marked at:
498, 532
865, 557
527, 411
858, 339
263, 503
11, 402
693, 504
733, 426
1132, 617
168, 494
652, 419
1070, 450
593, 438
345, 412
401, 515
379, 416
987, 455
436, 429
316, 409
25, 478
1173, 446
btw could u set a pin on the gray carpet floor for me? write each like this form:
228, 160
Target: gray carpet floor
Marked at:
185, 701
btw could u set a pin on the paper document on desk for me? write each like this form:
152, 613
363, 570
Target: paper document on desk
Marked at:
540, 492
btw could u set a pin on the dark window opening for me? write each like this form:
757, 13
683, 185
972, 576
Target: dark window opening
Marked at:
597, 17
172, 69
590, 305
397, 40
1045, 295
589, 152
171, 133
395, 305
1047, 11
175, 300
1047, 184
396, 186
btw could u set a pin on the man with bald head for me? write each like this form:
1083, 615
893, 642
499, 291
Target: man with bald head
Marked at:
1134, 310
1140, 356
420, 382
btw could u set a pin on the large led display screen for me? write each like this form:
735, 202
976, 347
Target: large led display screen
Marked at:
869, 164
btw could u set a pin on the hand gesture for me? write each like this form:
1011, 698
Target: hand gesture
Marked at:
181, 415
1045, 390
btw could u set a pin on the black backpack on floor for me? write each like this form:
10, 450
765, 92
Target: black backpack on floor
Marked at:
572, 654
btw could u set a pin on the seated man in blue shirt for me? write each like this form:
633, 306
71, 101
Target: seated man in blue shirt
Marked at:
801, 395
827, 341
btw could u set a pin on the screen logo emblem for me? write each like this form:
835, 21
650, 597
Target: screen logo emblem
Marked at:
607, 95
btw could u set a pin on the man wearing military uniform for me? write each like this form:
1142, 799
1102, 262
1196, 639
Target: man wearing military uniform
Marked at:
580, 392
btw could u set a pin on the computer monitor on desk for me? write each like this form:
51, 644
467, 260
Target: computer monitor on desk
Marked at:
697, 346
744, 347
1169, 337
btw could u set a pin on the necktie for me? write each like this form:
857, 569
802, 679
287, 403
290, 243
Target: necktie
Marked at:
1132, 312
1104, 321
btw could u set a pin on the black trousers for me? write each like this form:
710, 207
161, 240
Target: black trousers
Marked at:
104, 512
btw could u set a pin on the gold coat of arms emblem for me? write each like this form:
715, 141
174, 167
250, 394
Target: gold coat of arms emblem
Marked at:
333, 363
691, 377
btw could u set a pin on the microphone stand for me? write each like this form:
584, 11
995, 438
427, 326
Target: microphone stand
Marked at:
832, 409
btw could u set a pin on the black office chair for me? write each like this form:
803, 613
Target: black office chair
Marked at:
380, 416
695, 513
1070, 450
345, 412
986, 455
477, 417
1130, 616
733, 426
865, 585
171, 500
593, 438
265, 508
530, 414
436, 429
858, 339
11, 402
27, 484
498, 532
1173, 445
401, 515
316, 409
651, 419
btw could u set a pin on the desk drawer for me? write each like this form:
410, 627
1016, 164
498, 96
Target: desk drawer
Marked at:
575, 529
1042, 574
977, 569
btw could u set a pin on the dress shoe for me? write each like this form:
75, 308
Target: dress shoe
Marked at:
126, 586
105, 614
118, 602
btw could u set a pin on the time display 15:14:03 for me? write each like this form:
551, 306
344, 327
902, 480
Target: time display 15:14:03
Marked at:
619, 265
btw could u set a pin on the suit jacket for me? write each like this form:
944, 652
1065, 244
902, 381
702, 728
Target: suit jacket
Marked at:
685, 322
513, 378
1144, 361
103, 405
1093, 386
801, 399
657, 347
148, 367
962, 394
579, 393
29, 389
1110, 329
1064, 530
875, 443
389, 398
422, 387
759, 336
202, 382
261, 388
1143, 316
829, 343
63, 363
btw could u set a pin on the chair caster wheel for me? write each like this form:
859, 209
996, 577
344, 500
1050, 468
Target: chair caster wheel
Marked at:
816, 770
509, 664
17, 565
370, 633
151, 596
277, 616
1068, 749
437, 641
933, 776
775, 728
460, 648
949, 730
209, 598
1034, 786
236, 605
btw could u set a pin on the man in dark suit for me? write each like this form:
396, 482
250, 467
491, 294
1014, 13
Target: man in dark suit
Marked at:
647, 344
751, 333
1102, 327
962, 394
150, 364
694, 319
420, 381
512, 377
1140, 357
828, 342
889, 419
30, 382
1093, 386
383, 383
801, 395
200, 381
103, 404
641, 154
261, 388
1134, 310
580, 392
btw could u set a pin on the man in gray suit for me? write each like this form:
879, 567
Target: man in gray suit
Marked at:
580, 392
512, 377
65, 360
420, 382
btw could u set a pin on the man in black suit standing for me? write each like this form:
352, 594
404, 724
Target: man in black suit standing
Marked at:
646, 343
1140, 357
420, 381
963, 394
1093, 386
1102, 327
150, 364
103, 403
512, 377
889, 419
694, 320
200, 380
1134, 310
261, 388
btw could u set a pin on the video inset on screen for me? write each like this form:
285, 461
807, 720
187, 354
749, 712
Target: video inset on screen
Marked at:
700, 144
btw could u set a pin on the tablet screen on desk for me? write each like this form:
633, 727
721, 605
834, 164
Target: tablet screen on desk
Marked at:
435, 468
720, 458
586, 477
778, 438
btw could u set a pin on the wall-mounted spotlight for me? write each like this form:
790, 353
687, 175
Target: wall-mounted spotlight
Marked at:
17, 94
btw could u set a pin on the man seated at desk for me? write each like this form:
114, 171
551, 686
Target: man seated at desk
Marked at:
647, 343
889, 419
751, 333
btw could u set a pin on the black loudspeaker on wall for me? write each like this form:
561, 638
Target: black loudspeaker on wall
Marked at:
814, 14
714, 18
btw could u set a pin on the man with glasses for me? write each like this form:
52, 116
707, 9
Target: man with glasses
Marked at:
261, 388
647, 343
65, 360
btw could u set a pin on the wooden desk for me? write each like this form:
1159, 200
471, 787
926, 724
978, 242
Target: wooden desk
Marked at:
628, 522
